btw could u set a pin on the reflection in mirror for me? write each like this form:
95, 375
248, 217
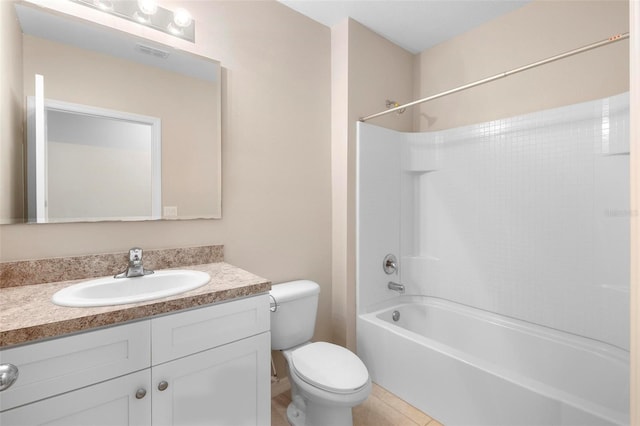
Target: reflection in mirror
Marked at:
110, 157
89, 66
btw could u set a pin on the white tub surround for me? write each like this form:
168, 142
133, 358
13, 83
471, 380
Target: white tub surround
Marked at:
526, 218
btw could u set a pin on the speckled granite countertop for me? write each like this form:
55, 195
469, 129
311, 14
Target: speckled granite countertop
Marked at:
27, 313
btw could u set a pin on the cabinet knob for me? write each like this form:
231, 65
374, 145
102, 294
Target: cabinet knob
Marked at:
140, 393
162, 385
8, 376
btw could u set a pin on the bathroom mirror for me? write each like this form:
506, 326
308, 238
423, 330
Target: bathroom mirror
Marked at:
101, 69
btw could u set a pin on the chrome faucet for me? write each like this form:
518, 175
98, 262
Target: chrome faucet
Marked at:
395, 287
135, 268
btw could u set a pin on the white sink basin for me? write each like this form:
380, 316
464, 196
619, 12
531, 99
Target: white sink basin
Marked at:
117, 291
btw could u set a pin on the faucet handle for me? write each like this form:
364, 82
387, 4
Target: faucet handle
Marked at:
390, 264
135, 255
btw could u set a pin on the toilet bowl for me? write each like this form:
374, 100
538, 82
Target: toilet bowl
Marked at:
327, 380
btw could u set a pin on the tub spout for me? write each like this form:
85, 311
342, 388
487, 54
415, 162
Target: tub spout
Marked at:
395, 287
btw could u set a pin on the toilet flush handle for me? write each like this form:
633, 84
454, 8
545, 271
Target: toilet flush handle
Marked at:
273, 305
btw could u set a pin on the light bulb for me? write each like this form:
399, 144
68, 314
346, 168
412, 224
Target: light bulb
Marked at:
148, 7
182, 18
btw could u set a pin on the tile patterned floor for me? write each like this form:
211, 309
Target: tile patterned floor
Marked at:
382, 408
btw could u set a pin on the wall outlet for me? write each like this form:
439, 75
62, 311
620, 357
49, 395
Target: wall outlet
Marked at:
170, 211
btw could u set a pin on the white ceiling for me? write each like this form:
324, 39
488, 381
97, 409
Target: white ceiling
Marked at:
414, 25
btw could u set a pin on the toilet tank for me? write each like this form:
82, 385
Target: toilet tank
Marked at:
293, 313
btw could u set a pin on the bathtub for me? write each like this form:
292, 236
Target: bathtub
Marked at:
465, 366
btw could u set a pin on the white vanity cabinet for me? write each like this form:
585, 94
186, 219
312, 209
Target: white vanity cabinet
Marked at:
211, 366
208, 365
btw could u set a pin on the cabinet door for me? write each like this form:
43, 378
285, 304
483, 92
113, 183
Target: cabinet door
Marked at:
108, 403
228, 385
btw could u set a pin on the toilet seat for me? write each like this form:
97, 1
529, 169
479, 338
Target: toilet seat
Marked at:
329, 367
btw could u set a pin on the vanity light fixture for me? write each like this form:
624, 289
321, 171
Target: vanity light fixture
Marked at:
178, 23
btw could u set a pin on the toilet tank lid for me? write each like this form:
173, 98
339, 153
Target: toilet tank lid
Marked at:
292, 290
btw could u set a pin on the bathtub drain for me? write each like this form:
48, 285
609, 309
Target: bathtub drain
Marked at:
395, 315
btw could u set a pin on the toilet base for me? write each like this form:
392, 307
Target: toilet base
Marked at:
296, 410
295, 416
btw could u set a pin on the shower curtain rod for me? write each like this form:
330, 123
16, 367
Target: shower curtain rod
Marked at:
586, 48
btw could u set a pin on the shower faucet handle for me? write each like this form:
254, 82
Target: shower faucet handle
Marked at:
390, 264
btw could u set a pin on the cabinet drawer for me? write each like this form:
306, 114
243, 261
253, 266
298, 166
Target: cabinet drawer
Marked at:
63, 364
175, 336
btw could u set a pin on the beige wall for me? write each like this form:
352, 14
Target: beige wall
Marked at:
275, 156
339, 180
535, 31
367, 70
11, 179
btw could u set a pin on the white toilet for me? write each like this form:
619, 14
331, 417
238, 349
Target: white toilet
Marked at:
327, 380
